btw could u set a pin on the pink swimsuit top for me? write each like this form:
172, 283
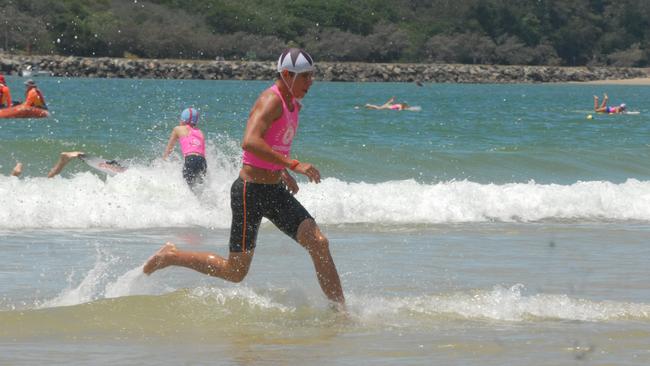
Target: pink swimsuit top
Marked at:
193, 142
279, 136
396, 107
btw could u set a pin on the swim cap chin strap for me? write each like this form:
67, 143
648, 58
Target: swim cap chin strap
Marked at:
295, 75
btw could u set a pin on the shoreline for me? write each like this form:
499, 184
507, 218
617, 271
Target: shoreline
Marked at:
633, 81
70, 66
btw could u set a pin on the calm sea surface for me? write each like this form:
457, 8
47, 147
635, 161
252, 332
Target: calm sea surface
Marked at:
495, 226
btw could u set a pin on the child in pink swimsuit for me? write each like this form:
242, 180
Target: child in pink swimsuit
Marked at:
192, 144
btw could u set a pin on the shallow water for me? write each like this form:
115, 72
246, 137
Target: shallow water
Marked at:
477, 294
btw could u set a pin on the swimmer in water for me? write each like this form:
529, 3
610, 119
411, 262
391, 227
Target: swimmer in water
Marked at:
192, 142
603, 108
389, 105
64, 158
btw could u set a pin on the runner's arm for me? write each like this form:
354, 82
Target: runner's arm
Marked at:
170, 144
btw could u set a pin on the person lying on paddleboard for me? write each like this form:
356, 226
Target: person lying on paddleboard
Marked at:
603, 108
110, 167
192, 142
65, 157
389, 105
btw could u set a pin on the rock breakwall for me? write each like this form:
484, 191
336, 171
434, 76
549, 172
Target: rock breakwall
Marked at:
328, 71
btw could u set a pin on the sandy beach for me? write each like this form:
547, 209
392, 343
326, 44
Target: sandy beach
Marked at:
633, 81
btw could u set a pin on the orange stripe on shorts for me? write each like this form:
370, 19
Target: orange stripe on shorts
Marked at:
243, 244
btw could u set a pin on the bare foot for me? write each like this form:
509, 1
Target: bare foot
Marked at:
160, 259
18, 170
340, 308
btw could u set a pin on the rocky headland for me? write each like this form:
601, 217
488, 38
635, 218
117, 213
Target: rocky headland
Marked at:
328, 71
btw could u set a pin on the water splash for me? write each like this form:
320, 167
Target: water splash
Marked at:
154, 194
498, 304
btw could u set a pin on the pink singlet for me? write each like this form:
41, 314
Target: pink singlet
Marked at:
193, 142
279, 136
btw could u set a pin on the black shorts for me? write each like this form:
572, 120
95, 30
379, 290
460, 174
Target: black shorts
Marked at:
194, 169
252, 201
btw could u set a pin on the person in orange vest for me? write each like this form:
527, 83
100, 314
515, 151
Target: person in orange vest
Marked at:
34, 97
5, 94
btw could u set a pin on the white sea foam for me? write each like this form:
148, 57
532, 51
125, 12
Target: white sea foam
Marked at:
155, 195
464, 201
500, 303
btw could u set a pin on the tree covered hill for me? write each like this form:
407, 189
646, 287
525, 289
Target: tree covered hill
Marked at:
525, 32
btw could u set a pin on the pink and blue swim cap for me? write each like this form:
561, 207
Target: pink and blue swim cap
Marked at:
190, 116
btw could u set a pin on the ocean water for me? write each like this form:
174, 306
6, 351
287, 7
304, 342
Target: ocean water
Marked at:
495, 226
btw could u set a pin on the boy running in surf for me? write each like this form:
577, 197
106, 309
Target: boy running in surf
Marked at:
265, 188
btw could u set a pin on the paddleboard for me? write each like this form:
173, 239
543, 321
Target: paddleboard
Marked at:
110, 167
592, 116
415, 108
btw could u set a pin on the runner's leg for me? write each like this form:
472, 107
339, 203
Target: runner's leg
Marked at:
233, 269
312, 239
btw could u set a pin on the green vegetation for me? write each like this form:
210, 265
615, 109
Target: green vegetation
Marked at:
530, 32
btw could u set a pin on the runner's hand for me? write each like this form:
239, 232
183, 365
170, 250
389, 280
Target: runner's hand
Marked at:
290, 182
309, 170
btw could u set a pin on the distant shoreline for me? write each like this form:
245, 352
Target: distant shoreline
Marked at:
327, 71
633, 81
